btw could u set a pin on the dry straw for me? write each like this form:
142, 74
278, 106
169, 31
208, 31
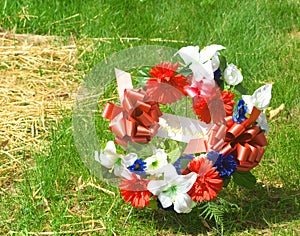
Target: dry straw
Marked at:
38, 80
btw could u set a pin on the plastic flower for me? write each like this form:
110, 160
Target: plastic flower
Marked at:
166, 86
201, 109
180, 163
138, 166
134, 190
262, 122
208, 181
225, 165
227, 98
202, 63
118, 163
261, 100
240, 113
156, 161
172, 190
209, 108
217, 76
232, 75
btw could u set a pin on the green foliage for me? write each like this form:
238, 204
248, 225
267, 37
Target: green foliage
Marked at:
244, 179
216, 210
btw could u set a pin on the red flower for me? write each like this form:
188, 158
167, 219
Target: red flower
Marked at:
135, 191
166, 86
200, 108
208, 182
213, 107
227, 98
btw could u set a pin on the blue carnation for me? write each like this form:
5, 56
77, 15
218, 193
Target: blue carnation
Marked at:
179, 165
138, 167
225, 165
217, 76
239, 114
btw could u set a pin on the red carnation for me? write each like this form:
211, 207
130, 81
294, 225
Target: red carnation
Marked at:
227, 98
167, 86
201, 109
210, 107
135, 191
208, 181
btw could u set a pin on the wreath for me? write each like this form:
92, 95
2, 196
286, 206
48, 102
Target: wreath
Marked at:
184, 130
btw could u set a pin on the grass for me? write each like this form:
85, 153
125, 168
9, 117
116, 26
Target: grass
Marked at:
56, 192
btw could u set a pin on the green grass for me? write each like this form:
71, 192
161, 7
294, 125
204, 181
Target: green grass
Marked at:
262, 37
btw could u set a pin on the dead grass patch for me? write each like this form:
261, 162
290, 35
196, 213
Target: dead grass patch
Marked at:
38, 80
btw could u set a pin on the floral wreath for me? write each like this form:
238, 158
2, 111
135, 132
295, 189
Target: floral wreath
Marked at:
223, 144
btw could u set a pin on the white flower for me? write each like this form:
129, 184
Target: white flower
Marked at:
262, 122
215, 62
261, 100
232, 75
209, 51
202, 64
156, 161
173, 189
119, 163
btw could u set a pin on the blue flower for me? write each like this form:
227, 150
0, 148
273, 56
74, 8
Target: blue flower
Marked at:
239, 114
182, 162
212, 156
138, 167
225, 165
217, 76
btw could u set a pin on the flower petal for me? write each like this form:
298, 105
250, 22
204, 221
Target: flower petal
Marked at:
233, 75
263, 96
201, 71
129, 159
209, 51
262, 122
183, 203
110, 147
165, 200
185, 182
170, 173
260, 99
156, 186
249, 100
121, 171
108, 160
189, 54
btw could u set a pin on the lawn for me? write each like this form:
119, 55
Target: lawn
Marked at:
44, 186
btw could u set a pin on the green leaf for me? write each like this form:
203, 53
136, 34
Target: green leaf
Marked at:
226, 181
185, 71
223, 63
144, 71
173, 150
174, 155
244, 179
141, 149
153, 204
241, 89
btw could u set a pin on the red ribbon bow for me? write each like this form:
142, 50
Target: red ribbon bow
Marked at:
136, 120
242, 141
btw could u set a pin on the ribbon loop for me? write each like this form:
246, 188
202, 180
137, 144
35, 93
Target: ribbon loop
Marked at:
136, 120
244, 142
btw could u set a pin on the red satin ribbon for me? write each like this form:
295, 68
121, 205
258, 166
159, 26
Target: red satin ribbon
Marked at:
242, 141
136, 120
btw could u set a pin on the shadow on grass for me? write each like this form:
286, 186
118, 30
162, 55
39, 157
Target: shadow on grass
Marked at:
262, 209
